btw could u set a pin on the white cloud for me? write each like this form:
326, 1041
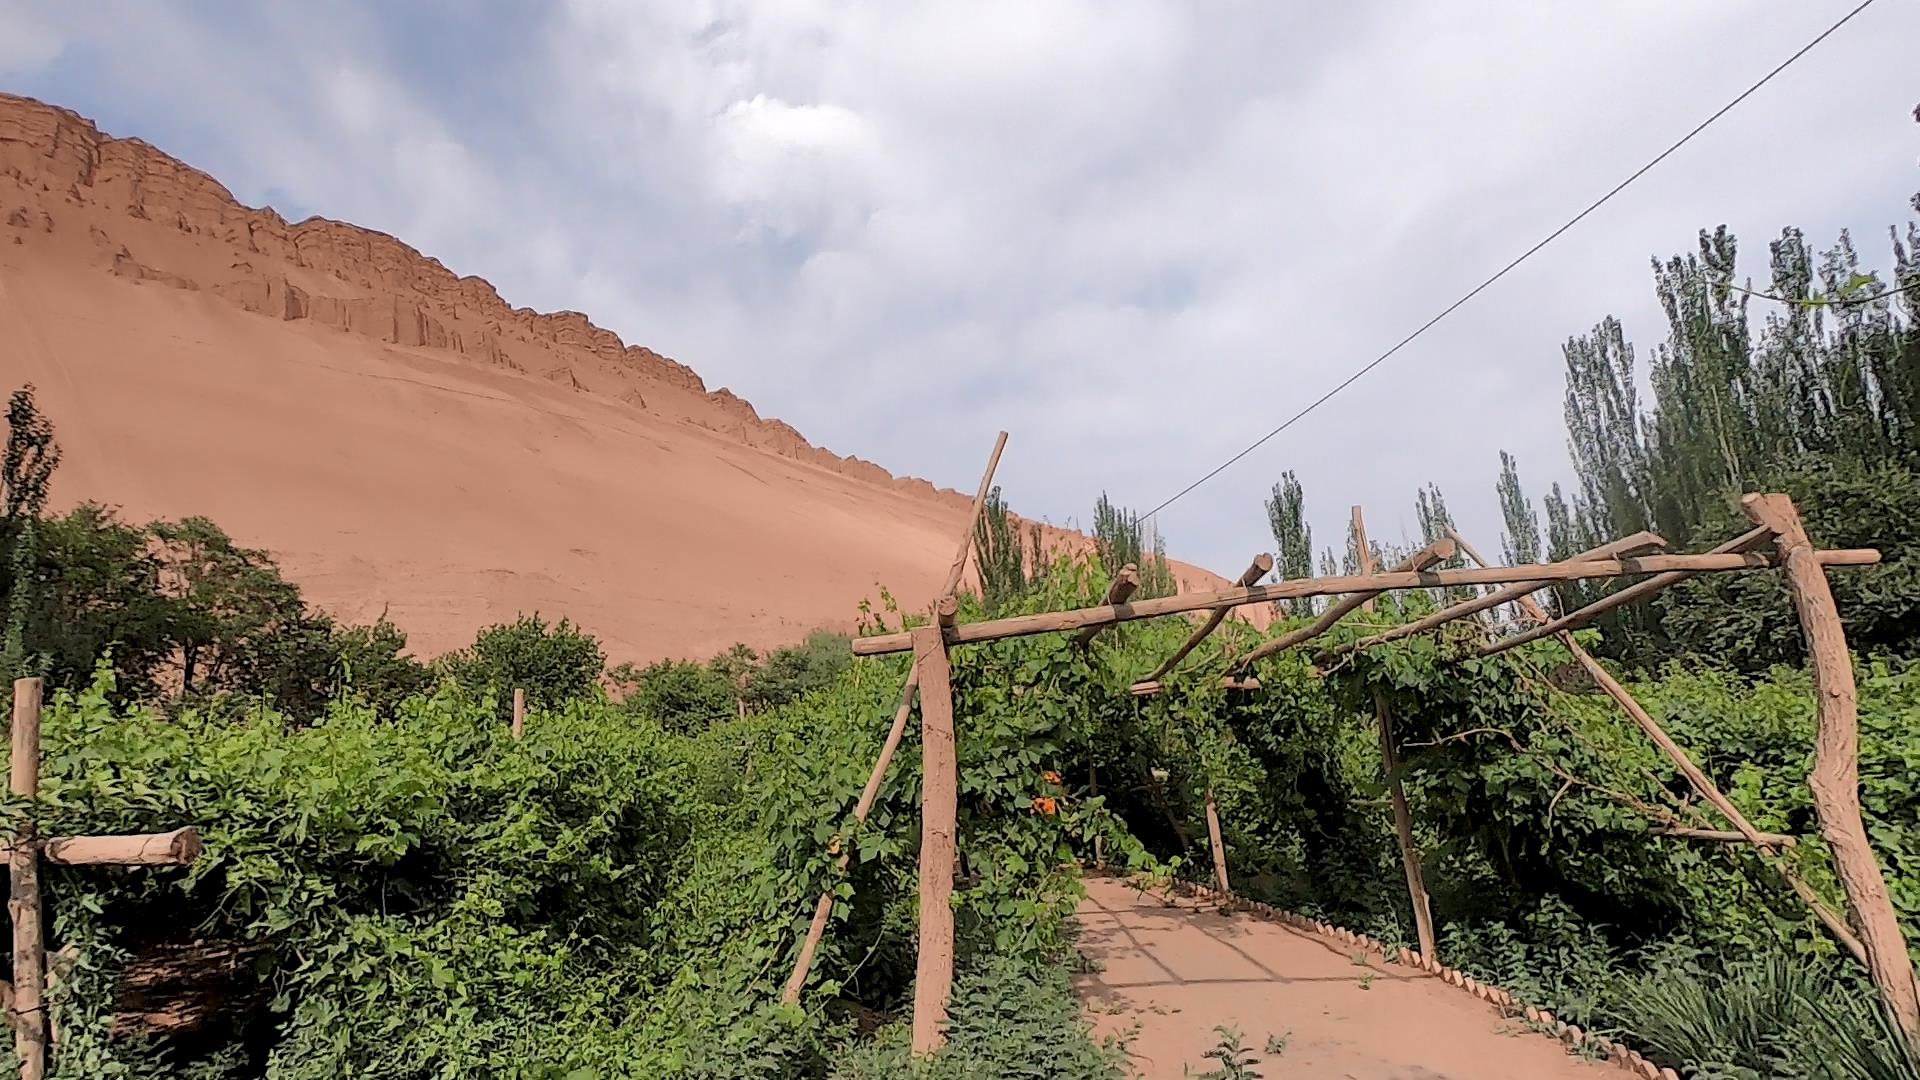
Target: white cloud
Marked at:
1137, 234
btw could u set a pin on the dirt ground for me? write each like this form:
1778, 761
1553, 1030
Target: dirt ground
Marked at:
1176, 968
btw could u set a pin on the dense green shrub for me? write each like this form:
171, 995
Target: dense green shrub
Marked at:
554, 664
680, 695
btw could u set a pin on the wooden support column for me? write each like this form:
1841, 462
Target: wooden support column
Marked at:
939, 826
1835, 779
519, 712
1219, 846
23, 902
1362, 550
944, 613
1701, 783
1403, 831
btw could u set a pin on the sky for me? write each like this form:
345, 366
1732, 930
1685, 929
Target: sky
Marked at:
1136, 235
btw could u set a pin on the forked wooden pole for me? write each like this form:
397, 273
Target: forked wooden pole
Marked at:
1701, 783
1835, 779
1122, 588
1219, 846
939, 825
1437, 552
823, 907
1637, 544
1363, 551
519, 712
1106, 615
1637, 591
1261, 566
29, 943
1403, 831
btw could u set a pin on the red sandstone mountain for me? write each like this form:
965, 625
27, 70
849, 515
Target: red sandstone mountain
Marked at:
404, 440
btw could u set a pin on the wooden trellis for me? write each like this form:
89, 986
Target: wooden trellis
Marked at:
1878, 942
24, 856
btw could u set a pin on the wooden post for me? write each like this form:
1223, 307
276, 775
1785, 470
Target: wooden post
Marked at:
1403, 830
1835, 779
939, 825
1701, 783
519, 711
1093, 792
1362, 550
823, 907
29, 943
1219, 847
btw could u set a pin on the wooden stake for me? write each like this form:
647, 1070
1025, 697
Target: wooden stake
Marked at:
1638, 543
959, 567
519, 712
1093, 792
1835, 779
1219, 846
823, 907
1437, 552
1053, 621
939, 825
1701, 783
29, 943
1123, 586
1403, 831
1639, 590
1262, 565
1363, 551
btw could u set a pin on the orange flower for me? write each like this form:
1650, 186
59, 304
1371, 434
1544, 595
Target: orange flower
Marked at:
1045, 804
1050, 776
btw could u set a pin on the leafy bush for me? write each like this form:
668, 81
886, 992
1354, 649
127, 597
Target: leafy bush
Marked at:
679, 695
554, 664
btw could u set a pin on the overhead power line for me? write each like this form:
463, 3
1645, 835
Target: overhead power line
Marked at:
1523, 257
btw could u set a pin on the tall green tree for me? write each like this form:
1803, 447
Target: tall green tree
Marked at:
1520, 539
1292, 536
1121, 538
26, 474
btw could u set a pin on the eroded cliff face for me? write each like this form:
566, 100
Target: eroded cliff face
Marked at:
54, 162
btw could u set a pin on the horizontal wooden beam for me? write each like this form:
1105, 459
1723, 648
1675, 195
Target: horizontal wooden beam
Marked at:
1427, 557
177, 848
1119, 591
1725, 836
1639, 543
1106, 615
1262, 566
1639, 590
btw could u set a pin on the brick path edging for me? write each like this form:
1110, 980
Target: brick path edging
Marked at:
1618, 1053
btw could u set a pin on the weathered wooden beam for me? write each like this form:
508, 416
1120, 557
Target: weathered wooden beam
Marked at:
1639, 590
1835, 779
177, 848
959, 567
1107, 615
939, 827
23, 902
1403, 832
1701, 783
1437, 552
1363, 551
1638, 544
1261, 566
1724, 836
1144, 689
519, 711
1118, 592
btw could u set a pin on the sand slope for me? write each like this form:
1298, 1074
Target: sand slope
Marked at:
402, 438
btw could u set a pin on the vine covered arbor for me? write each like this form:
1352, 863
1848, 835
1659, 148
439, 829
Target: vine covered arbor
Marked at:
1867, 929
